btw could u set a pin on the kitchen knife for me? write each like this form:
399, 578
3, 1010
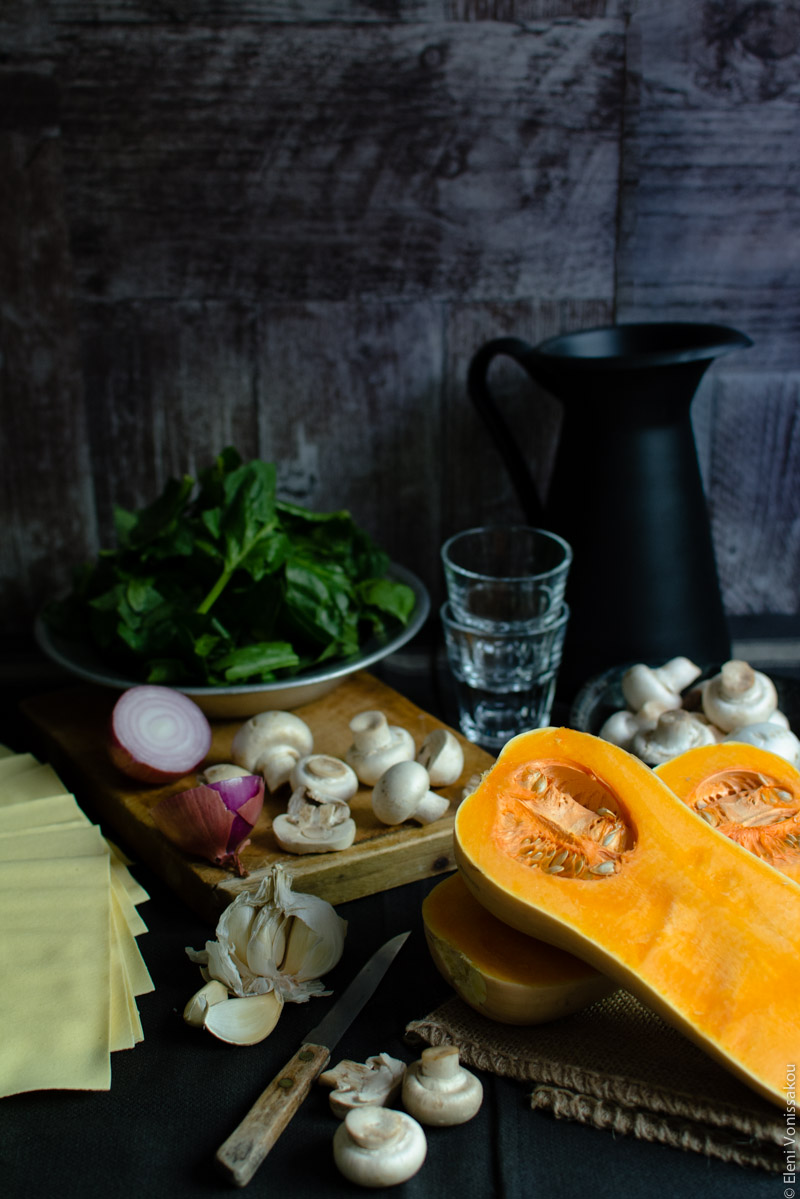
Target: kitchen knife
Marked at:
249, 1143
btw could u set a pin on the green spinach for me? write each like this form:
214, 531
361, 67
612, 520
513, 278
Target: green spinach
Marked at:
219, 581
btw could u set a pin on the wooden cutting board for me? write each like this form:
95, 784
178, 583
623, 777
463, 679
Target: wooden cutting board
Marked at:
72, 724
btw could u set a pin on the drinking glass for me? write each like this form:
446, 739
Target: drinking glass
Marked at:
505, 576
505, 676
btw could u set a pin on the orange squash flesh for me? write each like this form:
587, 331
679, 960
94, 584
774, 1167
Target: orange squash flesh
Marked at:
698, 928
749, 794
501, 973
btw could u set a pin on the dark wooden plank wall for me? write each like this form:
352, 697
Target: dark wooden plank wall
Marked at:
287, 226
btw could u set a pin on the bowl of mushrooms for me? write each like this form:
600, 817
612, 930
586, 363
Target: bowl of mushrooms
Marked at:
658, 712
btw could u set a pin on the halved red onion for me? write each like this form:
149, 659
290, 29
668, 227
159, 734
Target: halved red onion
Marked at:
157, 734
213, 820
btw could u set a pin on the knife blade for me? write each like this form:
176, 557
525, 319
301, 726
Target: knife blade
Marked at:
250, 1142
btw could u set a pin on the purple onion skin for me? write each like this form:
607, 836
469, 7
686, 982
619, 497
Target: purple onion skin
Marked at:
204, 826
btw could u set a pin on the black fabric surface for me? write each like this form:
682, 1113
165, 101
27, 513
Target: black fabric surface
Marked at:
177, 1096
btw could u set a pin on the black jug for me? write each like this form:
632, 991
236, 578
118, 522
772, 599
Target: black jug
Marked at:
626, 490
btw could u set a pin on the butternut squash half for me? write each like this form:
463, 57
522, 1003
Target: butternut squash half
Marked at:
572, 840
749, 794
501, 973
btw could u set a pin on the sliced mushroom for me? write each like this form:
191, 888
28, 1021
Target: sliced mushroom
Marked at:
675, 732
374, 1083
739, 695
379, 1147
377, 745
314, 826
442, 756
402, 793
438, 1090
270, 744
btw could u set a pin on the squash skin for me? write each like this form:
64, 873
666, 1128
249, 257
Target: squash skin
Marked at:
501, 973
698, 928
691, 777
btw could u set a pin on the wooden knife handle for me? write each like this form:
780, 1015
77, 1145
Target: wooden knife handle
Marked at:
249, 1143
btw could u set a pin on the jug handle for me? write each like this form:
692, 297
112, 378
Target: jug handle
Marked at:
477, 385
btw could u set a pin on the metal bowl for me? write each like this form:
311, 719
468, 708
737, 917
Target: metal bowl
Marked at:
237, 702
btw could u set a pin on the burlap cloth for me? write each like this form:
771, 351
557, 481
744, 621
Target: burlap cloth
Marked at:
618, 1066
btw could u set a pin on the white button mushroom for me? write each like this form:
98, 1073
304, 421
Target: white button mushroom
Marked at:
442, 756
402, 793
662, 683
621, 727
270, 744
379, 1147
767, 734
438, 1090
377, 745
676, 731
324, 777
739, 695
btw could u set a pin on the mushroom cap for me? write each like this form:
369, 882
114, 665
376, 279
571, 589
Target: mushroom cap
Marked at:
438, 1090
267, 731
378, 1146
676, 731
770, 735
324, 777
738, 696
399, 791
442, 756
377, 745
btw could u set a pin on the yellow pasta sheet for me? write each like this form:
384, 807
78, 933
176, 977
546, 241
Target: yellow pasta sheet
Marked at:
70, 968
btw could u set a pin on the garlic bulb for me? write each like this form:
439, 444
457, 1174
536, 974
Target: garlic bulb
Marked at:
272, 939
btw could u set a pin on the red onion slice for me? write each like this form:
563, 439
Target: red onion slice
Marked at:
157, 734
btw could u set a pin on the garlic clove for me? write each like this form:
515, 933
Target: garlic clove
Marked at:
245, 1021
195, 1011
273, 903
442, 756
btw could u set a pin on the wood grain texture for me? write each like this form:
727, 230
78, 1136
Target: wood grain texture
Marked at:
341, 163
250, 1142
72, 724
754, 471
168, 386
46, 496
711, 189
288, 225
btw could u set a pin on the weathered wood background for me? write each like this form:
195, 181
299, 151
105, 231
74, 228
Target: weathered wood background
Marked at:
288, 224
